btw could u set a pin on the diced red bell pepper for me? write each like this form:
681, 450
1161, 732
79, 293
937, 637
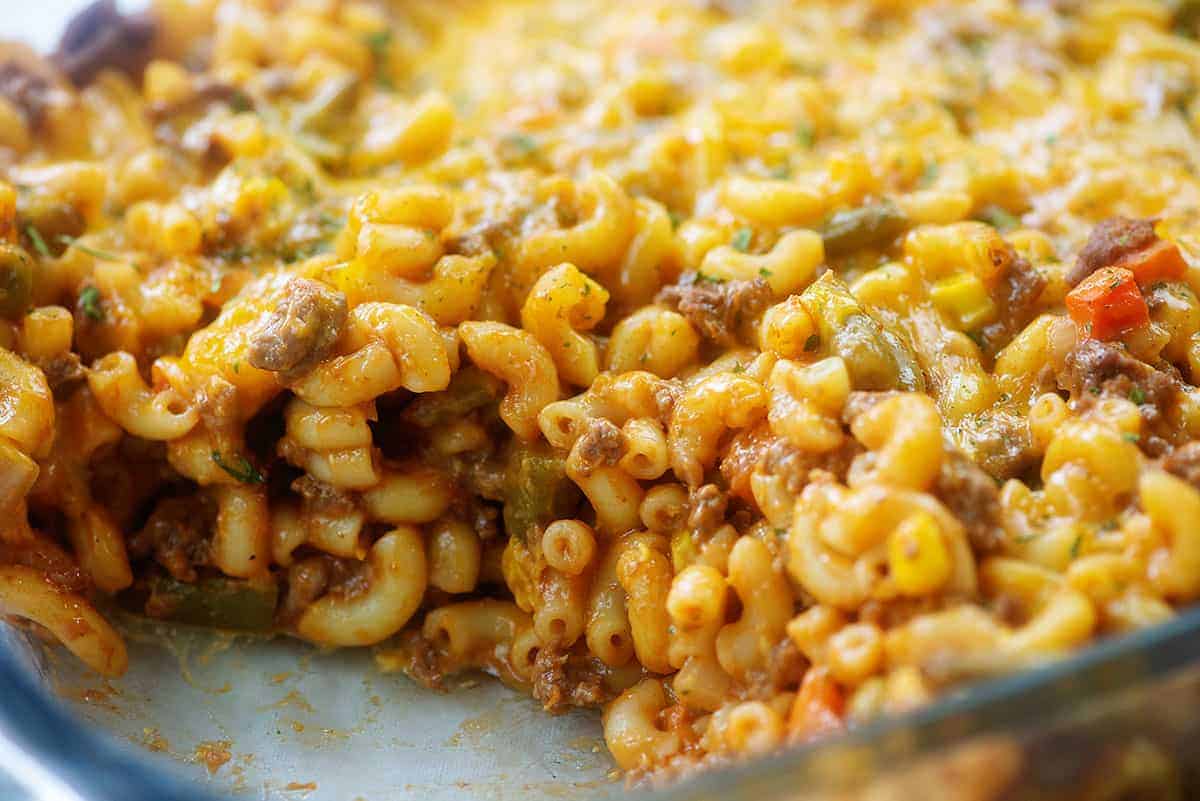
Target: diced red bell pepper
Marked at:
1107, 303
819, 707
1161, 261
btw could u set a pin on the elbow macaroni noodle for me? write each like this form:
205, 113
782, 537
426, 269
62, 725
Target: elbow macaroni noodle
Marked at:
731, 368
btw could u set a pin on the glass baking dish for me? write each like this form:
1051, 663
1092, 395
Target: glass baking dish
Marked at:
1116, 721
279, 720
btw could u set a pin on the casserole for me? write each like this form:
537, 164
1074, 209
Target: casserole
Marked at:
688, 364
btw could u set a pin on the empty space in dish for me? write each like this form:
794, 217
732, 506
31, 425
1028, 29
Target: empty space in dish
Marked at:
280, 720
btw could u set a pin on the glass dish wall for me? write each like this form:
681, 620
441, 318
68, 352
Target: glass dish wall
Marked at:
279, 721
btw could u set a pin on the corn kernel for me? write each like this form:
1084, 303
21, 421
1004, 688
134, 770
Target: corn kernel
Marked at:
651, 92
964, 299
166, 82
917, 557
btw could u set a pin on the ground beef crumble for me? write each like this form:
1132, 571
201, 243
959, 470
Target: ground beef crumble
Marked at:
317, 576
973, 497
319, 497
100, 37
1184, 462
177, 535
1109, 242
1016, 296
1096, 369
708, 504
301, 329
998, 441
26, 90
717, 310
49, 558
759, 450
562, 680
63, 373
601, 444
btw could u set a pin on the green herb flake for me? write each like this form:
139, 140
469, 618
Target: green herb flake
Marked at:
805, 135
676, 218
330, 221
999, 218
741, 239
812, 343
1075, 546
241, 469
378, 42
1137, 395
764, 272
240, 102
236, 253
1130, 436
39, 244
523, 145
929, 174
306, 190
89, 301
1095, 390
95, 253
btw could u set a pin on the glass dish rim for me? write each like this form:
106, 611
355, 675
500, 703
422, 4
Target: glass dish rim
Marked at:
97, 766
